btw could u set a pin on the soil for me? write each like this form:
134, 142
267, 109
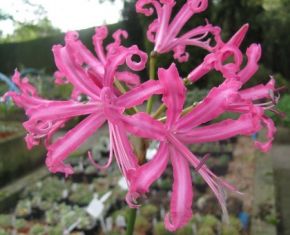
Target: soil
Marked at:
4, 135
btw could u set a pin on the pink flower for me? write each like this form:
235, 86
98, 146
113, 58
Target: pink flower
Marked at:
171, 148
93, 78
193, 128
99, 71
165, 33
216, 59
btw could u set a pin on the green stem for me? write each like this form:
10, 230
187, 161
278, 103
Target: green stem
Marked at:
123, 90
131, 221
159, 111
184, 111
152, 65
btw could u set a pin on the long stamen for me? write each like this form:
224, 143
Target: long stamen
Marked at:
202, 162
277, 112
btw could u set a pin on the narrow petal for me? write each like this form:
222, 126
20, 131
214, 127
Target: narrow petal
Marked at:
57, 110
200, 71
143, 125
120, 56
185, 13
23, 84
65, 145
239, 36
81, 55
253, 54
182, 195
163, 22
144, 176
217, 185
247, 124
173, 92
212, 106
130, 79
75, 74
271, 130
139, 94
198, 37
258, 92
100, 34
46, 119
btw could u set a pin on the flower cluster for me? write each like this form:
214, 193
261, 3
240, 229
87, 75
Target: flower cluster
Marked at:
95, 78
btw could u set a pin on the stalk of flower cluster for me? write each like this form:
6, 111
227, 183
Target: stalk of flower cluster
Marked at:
152, 65
144, 144
132, 214
131, 221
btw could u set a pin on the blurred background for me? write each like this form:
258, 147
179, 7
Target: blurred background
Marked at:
33, 202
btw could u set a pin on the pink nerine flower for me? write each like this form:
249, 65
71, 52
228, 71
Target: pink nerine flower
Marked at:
216, 59
93, 78
190, 129
165, 33
102, 68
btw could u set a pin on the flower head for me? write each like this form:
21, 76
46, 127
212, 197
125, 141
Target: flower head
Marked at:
165, 33
194, 128
92, 77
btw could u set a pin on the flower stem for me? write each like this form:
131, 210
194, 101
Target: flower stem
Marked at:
184, 111
123, 90
131, 221
152, 65
159, 111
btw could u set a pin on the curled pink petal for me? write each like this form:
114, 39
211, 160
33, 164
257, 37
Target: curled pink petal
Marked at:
222, 51
152, 31
271, 130
23, 84
73, 72
130, 79
140, 7
165, 30
180, 54
197, 6
91, 158
110, 156
100, 34
59, 78
31, 141
229, 70
144, 176
119, 57
253, 54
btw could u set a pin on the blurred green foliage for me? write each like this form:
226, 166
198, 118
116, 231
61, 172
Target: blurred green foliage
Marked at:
30, 31
283, 106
